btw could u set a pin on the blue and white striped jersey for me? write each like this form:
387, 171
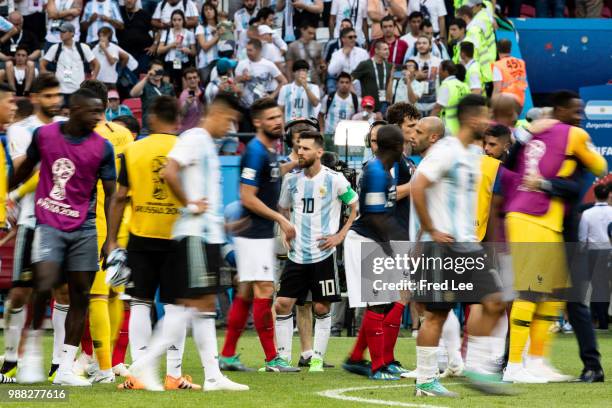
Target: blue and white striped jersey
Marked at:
315, 205
107, 8
296, 103
339, 109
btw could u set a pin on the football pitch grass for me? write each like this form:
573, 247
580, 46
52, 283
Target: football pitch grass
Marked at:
317, 389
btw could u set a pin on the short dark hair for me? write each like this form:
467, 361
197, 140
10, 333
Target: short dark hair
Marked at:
43, 82
601, 191
155, 62
306, 24
388, 17
467, 48
300, 64
190, 70
460, 72
504, 46
562, 98
448, 66
398, 112
22, 48
380, 43
264, 13
345, 75
458, 22
24, 107
346, 30
81, 95
347, 20
228, 99
499, 131
425, 23
316, 136
130, 122
261, 105
389, 137
98, 88
464, 11
105, 31
415, 14
416, 64
469, 105
164, 108
255, 43
329, 159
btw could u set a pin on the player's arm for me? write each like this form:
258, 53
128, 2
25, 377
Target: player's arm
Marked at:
250, 201
171, 175
338, 238
288, 167
108, 175
26, 188
26, 167
582, 148
419, 187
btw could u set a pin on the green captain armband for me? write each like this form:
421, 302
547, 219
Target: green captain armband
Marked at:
349, 197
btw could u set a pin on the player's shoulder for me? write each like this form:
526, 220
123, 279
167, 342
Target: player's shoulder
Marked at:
332, 173
118, 135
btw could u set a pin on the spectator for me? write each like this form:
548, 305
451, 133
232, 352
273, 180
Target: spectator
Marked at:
129, 122
71, 61
549, 8
414, 23
473, 77
150, 87
335, 43
296, 14
457, 34
367, 111
340, 105
434, 11
427, 73
346, 58
208, 35
378, 9
251, 33
375, 75
162, 17
509, 73
270, 51
177, 46
135, 38
356, 11
21, 38
259, 77
406, 88
7, 28
397, 47
243, 16
115, 108
300, 98
224, 21
21, 73
224, 81
588, 8
309, 50
33, 17
98, 14
438, 49
479, 26
25, 108
109, 55
267, 16
191, 100
451, 91
59, 12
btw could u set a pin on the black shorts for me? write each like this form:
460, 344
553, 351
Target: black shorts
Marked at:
195, 270
320, 279
22, 258
150, 265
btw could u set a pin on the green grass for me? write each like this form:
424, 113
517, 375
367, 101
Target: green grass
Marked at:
300, 390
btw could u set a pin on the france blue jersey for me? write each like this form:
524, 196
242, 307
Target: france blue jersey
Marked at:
259, 167
406, 169
377, 194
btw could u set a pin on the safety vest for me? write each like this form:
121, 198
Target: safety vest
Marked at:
154, 206
514, 77
456, 91
457, 47
474, 68
3, 186
488, 47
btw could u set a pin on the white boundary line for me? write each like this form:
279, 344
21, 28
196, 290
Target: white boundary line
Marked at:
339, 394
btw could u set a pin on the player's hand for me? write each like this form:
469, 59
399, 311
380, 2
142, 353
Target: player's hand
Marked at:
532, 181
197, 207
441, 237
108, 247
330, 241
288, 230
541, 125
298, 5
93, 17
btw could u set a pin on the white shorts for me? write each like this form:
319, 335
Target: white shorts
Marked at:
352, 269
255, 259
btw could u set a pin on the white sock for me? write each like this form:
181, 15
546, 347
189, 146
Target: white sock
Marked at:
68, 355
205, 338
284, 335
306, 354
451, 333
322, 332
12, 335
174, 355
58, 321
139, 328
498, 338
478, 357
427, 364
442, 355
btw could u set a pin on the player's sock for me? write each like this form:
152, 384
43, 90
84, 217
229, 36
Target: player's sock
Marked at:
58, 321
99, 325
236, 320
121, 344
12, 335
264, 324
140, 328
451, 334
520, 320
115, 313
322, 332
373, 324
67, 359
498, 338
86, 343
360, 344
479, 356
284, 335
174, 354
539, 334
205, 338
391, 328
306, 354
427, 364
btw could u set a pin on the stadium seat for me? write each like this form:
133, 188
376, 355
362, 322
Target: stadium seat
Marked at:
135, 106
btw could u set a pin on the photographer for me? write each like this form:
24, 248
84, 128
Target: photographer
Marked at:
191, 100
150, 87
222, 80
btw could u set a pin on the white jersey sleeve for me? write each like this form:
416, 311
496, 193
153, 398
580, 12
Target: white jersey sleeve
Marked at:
285, 200
437, 162
19, 139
